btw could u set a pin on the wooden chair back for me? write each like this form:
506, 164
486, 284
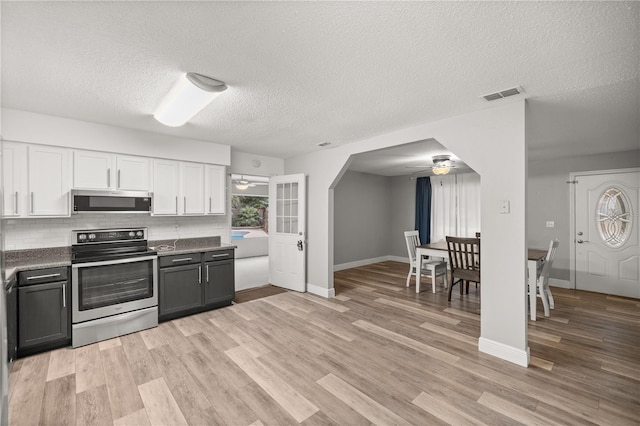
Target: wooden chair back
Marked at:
412, 238
464, 258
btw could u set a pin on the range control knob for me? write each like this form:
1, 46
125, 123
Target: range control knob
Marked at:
132, 234
139, 234
92, 236
82, 237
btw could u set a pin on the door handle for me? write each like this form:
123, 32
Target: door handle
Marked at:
199, 274
580, 233
184, 205
38, 277
209, 204
108, 178
64, 295
184, 259
300, 245
32, 203
581, 241
118, 182
16, 203
207, 274
176, 204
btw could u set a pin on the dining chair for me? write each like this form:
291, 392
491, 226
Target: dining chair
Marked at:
464, 262
433, 266
542, 282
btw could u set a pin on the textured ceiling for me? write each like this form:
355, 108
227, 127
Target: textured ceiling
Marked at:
300, 73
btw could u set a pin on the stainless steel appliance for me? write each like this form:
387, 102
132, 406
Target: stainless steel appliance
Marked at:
114, 279
111, 201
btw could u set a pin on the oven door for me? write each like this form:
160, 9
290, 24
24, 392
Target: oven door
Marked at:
102, 289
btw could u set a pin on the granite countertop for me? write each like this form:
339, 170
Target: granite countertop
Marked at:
189, 245
27, 260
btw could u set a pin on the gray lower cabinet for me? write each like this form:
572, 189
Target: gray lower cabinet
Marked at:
43, 312
195, 282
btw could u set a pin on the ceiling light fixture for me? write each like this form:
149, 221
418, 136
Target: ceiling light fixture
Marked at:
189, 96
441, 165
242, 186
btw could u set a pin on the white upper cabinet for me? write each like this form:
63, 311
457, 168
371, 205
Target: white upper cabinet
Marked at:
132, 173
14, 179
48, 181
166, 187
92, 170
192, 185
216, 182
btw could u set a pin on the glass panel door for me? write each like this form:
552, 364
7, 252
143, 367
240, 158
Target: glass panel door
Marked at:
287, 208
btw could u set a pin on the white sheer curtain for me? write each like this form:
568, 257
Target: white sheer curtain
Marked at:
468, 204
455, 206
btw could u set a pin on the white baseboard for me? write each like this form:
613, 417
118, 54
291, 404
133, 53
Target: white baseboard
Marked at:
553, 282
358, 263
508, 353
328, 293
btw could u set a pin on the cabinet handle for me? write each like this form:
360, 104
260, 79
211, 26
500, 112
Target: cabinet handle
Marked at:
184, 259
64, 295
176, 204
118, 178
185, 205
32, 203
199, 274
109, 178
15, 206
207, 274
220, 255
209, 204
37, 277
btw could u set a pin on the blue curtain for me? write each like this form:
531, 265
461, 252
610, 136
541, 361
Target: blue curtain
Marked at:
423, 209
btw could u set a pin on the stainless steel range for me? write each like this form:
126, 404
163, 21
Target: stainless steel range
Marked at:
114, 283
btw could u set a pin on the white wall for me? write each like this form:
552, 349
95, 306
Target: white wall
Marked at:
548, 200
243, 163
22, 126
362, 215
476, 138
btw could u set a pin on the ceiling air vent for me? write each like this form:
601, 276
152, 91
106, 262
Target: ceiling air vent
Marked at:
323, 144
503, 94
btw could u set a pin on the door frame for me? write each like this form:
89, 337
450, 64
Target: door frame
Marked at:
572, 213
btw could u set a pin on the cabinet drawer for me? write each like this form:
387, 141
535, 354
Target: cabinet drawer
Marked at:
179, 259
218, 255
39, 276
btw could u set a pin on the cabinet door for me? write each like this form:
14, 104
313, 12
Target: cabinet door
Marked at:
14, 169
192, 183
180, 289
216, 195
49, 183
92, 170
132, 173
43, 316
219, 281
166, 180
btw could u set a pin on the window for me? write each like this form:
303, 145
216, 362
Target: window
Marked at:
613, 217
250, 211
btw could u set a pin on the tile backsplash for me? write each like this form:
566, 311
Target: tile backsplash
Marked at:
21, 234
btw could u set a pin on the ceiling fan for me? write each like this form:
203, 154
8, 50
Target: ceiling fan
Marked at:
244, 182
442, 164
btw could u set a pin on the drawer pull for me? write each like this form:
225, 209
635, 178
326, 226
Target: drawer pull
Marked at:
184, 259
37, 277
64, 295
220, 255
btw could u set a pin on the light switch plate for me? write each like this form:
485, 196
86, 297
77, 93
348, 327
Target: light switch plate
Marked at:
503, 207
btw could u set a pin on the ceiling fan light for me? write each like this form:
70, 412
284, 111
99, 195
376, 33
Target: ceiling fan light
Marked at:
242, 186
189, 96
440, 170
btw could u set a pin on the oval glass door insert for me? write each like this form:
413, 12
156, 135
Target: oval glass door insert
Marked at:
613, 217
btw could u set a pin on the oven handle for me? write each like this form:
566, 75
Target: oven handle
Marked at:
113, 262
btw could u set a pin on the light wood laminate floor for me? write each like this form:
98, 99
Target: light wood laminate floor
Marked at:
376, 354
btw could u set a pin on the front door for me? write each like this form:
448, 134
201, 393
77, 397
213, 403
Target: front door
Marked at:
287, 231
607, 233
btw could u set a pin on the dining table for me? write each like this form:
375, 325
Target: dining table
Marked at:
535, 258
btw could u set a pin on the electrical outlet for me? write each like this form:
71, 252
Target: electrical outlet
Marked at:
550, 224
176, 227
